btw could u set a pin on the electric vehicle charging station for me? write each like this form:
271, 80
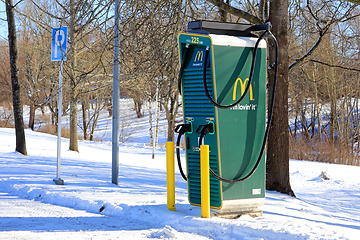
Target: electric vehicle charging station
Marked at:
223, 86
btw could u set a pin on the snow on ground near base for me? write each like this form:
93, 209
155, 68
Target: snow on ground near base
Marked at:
136, 209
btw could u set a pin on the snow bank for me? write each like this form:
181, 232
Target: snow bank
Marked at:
324, 209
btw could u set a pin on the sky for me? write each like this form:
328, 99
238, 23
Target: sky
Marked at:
3, 24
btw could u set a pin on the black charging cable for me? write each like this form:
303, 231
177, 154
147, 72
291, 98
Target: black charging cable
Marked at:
264, 35
181, 129
187, 46
269, 35
203, 130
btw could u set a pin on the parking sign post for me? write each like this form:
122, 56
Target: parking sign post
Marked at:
58, 53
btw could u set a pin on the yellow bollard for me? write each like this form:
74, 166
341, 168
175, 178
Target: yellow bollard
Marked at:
205, 181
170, 173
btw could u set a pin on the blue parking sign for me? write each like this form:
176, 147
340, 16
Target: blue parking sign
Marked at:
59, 44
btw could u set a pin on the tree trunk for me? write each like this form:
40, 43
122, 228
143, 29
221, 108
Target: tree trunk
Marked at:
93, 126
157, 123
32, 116
304, 124
83, 109
313, 117
95, 118
297, 113
171, 112
73, 95
150, 121
109, 108
137, 106
157, 116
18, 112
277, 166
73, 121
224, 14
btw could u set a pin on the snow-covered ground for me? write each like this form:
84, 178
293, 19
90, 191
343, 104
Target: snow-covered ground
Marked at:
33, 207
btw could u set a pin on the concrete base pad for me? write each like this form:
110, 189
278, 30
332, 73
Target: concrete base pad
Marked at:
58, 181
235, 215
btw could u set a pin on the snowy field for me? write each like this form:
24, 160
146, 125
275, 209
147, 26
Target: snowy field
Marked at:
136, 209
89, 206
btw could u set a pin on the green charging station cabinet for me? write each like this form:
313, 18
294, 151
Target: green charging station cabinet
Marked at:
238, 133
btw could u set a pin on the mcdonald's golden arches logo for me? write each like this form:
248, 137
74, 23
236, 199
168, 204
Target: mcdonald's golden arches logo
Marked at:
199, 56
242, 86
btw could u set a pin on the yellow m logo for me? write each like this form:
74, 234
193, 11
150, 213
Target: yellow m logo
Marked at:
199, 56
243, 86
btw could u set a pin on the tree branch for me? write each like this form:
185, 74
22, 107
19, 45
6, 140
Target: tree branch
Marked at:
354, 1
17, 3
46, 12
333, 65
262, 10
322, 32
312, 49
237, 12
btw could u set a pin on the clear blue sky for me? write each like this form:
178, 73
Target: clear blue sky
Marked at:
3, 24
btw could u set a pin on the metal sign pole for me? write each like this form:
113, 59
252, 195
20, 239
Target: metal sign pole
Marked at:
58, 180
58, 53
116, 97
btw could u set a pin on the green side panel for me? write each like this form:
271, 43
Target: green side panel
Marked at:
241, 128
198, 110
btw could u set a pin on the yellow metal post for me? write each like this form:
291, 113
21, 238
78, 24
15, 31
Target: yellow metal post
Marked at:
170, 172
205, 181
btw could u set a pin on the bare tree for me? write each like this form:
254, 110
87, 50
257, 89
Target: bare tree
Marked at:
323, 42
277, 167
17, 107
149, 53
34, 61
88, 23
5, 77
